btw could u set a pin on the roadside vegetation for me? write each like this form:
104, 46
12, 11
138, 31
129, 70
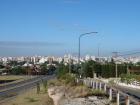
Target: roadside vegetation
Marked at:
27, 68
12, 77
130, 78
85, 69
74, 89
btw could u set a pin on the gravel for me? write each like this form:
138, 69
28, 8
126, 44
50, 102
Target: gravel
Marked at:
92, 100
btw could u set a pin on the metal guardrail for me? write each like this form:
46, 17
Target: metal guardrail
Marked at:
136, 83
99, 84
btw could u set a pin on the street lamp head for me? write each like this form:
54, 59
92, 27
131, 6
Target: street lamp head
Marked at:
88, 33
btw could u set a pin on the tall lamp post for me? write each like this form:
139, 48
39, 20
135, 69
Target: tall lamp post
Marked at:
79, 54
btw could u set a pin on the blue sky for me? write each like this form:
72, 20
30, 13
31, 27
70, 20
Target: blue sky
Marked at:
52, 27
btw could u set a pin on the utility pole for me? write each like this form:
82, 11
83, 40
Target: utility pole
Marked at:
115, 55
69, 65
99, 52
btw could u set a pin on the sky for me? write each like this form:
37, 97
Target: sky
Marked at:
52, 27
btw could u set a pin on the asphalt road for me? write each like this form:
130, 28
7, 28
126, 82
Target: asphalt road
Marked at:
124, 92
135, 93
19, 88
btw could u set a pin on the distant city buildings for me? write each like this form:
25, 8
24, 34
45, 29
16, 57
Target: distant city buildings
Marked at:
66, 58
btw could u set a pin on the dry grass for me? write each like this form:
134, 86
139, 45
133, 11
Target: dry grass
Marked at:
78, 91
12, 77
31, 98
71, 91
15, 78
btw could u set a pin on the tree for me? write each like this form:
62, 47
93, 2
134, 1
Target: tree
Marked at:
62, 70
17, 70
51, 69
44, 68
97, 68
138, 63
1, 66
13, 63
88, 68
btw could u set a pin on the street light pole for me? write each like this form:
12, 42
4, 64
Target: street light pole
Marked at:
79, 54
116, 69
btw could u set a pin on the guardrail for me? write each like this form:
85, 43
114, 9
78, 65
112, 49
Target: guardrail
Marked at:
120, 97
136, 83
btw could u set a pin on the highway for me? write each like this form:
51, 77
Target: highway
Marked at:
22, 86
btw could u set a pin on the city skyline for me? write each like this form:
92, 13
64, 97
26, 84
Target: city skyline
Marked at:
52, 27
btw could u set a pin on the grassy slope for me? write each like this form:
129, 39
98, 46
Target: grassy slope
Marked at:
31, 98
11, 77
15, 78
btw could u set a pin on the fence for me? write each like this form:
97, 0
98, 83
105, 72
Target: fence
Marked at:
114, 94
136, 83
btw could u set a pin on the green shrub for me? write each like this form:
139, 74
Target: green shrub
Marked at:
129, 78
98, 93
62, 70
68, 79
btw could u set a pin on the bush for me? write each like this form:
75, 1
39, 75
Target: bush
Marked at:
79, 91
62, 70
84, 91
68, 79
17, 70
129, 78
98, 93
